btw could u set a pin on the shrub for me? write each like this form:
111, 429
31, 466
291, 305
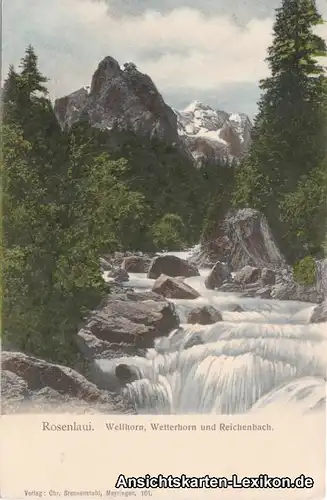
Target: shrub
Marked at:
169, 233
305, 271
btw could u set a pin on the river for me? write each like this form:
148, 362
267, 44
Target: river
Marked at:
267, 357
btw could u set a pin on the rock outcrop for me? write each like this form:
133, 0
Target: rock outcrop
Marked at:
268, 276
252, 241
219, 273
208, 253
171, 266
174, 288
245, 239
266, 283
130, 320
247, 275
29, 384
121, 98
294, 291
136, 264
206, 315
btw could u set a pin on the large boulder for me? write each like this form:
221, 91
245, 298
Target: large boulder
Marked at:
245, 239
268, 276
173, 266
174, 288
136, 264
205, 315
39, 374
252, 241
248, 274
127, 373
319, 314
129, 318
32, 384
219, 273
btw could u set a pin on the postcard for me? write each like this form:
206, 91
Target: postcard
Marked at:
164, 249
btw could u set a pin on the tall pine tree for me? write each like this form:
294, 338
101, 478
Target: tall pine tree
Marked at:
289, 136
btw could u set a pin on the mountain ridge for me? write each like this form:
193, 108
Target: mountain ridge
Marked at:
122, 97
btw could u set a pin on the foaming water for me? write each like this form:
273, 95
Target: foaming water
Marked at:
266, 357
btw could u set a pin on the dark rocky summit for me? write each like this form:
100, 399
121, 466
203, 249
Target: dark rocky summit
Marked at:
122, 98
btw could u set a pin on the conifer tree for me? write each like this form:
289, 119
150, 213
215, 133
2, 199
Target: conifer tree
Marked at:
289, 136
10, 95
33, 80
10, 87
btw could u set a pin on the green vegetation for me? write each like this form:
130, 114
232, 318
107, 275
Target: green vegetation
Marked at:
221, 180
304, 271
284, 175
169, 233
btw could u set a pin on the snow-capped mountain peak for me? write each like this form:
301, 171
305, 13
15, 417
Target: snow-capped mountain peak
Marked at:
227, 134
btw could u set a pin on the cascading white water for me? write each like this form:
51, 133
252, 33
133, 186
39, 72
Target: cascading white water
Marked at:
263, 358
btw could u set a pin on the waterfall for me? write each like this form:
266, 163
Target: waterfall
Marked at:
267, 356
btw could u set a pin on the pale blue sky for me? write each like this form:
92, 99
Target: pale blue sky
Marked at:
209, 50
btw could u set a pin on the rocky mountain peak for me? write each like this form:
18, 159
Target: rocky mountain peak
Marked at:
216, 133
120, 97
108, 69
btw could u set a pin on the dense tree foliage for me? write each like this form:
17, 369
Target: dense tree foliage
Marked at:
221, 179
283, 176
165, 176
